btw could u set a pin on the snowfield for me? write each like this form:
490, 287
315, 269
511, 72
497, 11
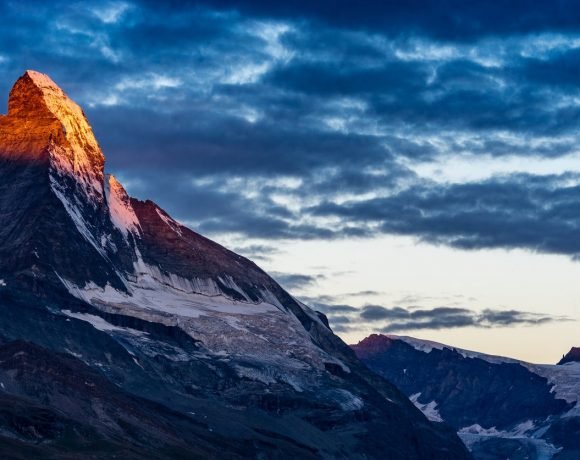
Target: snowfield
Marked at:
429, 409
261, 340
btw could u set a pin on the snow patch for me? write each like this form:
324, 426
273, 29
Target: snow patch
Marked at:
429, 410
265, 376
157, 297
75, 213
565, 379
151, 277
348, 402
121, 212
172, 224
473, 434
479, 430
99, 323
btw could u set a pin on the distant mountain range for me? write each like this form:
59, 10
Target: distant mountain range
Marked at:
124, 334
501, 408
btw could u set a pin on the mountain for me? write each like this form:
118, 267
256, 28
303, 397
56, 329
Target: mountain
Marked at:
501, 408
124, 334
573, 356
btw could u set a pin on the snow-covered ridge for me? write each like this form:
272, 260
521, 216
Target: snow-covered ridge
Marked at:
150, 277
564, 378
427, 345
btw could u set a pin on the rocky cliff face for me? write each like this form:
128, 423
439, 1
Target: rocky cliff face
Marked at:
197, 342
502, 408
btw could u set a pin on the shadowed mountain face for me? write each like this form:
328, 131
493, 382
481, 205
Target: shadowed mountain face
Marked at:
502, 408
124, 333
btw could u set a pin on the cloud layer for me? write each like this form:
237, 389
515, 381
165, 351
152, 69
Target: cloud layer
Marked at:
308, 120
345, 318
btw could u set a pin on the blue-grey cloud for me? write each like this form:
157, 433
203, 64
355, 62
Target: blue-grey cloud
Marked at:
541, 214
296, 281
450, 20
398, 319
452, 318
322, 110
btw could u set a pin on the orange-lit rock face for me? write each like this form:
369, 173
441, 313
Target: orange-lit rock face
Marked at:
44, 125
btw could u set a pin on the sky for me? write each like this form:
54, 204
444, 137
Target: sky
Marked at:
407, 168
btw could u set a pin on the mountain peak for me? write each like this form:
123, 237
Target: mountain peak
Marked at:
35, 93
41, 79
375, 339
572, 356
41, 115
374, 343
45, 126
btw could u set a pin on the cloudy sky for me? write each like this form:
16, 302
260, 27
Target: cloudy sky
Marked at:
406, 167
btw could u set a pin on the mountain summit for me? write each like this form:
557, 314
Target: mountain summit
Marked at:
123, 332
572, 356
44, 125
502, 408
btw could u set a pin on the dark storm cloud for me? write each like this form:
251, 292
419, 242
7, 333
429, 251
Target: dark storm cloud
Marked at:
327, 79
451, 20
536, 213
561, 70
398, 319
228, 145
304, 120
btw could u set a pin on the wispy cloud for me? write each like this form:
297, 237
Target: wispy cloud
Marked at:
346, 318
296, 281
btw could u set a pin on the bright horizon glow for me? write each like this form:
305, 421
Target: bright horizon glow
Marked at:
399, 267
